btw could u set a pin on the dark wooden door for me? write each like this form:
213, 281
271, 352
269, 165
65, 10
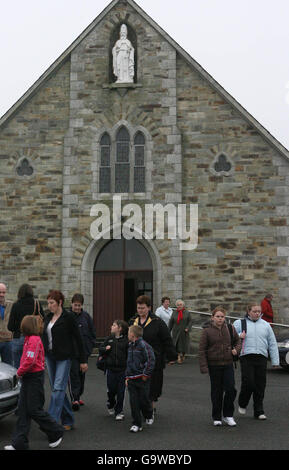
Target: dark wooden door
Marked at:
108, 303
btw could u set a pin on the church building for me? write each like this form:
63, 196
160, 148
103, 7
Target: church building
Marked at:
126, 119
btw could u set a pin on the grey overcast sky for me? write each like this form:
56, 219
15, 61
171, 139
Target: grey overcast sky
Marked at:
244, 45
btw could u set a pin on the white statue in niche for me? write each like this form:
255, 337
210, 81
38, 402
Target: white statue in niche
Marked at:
123, 58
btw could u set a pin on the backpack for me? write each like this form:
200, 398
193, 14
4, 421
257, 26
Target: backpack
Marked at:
244, 324
235, 358
243, 328
101, 363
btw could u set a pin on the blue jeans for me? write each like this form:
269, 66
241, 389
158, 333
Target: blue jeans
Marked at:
6, 352
59, 407
17, 350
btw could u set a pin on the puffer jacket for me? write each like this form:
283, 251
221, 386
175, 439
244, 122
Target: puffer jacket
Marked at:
215, 348
259, 339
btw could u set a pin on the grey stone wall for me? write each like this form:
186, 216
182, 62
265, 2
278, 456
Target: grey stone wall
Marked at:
95, 107
242, 252
243, 217
30, 237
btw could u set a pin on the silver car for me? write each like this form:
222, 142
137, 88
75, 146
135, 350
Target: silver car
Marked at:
9, 389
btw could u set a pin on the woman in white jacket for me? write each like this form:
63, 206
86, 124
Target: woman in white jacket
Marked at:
258, 341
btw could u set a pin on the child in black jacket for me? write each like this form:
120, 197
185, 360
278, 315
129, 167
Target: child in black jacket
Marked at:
114, 349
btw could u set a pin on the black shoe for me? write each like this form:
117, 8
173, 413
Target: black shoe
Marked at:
75, 405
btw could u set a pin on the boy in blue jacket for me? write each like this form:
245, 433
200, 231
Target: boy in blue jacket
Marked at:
140, 364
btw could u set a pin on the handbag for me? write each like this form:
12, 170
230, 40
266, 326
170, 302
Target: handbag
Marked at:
40, 319
101, 363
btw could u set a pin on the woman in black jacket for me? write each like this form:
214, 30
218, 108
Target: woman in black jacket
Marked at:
25, 305
62, 342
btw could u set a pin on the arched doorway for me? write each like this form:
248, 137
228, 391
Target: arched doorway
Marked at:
123, 270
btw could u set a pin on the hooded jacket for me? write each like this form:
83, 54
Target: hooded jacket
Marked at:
215, 348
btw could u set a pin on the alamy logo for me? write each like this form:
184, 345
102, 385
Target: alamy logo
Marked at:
152, 221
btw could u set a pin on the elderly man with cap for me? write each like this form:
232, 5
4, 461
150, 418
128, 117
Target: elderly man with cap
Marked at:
5, 334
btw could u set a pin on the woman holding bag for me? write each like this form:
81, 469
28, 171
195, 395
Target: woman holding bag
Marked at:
25, 305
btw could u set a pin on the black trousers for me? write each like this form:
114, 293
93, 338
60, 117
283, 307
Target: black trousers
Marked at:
30, 406
223, 392
253, 375
115, 390
156, 384
140, 403
76, 381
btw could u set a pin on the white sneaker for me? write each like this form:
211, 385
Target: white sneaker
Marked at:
56, 443
110, 411
150, 421
218, 423
135, 428
262, 417
9, 448
242, 411
229, 421
119, 417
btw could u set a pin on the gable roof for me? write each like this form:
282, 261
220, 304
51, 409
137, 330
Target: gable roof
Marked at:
215, 85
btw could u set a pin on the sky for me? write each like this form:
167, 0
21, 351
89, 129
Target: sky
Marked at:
242, 44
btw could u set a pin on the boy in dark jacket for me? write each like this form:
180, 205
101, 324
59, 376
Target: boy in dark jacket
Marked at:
114, 349
140, 364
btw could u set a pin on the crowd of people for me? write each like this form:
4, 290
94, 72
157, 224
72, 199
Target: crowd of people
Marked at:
135, 355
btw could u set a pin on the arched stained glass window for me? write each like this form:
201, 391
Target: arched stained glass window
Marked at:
105, 165
139, 163
122, 164
122, 161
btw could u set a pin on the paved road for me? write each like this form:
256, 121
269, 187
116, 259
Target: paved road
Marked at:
183, 420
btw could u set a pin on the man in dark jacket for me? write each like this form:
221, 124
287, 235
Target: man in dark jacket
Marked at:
87, 333
155, 333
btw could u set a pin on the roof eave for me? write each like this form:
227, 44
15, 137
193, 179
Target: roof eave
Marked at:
217, 87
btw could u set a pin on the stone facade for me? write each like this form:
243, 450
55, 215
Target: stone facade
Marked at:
188, 122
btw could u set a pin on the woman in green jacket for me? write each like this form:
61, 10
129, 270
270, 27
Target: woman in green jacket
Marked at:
180, 325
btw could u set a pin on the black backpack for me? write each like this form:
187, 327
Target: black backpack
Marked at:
101, 363
243, 328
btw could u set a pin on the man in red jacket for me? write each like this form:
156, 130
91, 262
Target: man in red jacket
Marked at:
267, 311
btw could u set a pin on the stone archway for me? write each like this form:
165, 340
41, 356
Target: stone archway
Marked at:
87, 270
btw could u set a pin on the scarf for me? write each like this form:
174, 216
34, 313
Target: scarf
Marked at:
180, 315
